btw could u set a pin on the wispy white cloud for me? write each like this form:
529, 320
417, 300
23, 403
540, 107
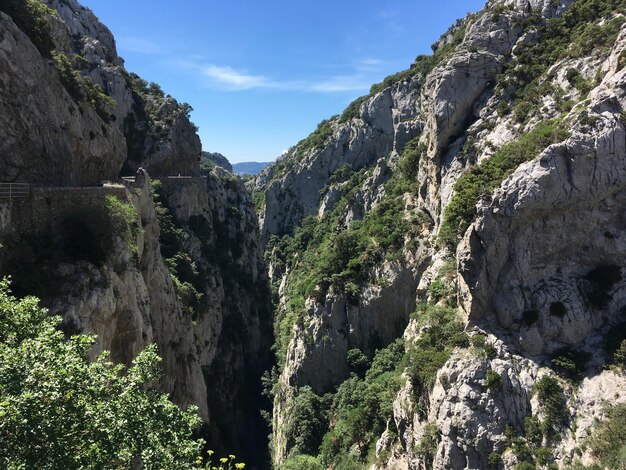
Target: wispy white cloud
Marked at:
228, 78
359, 77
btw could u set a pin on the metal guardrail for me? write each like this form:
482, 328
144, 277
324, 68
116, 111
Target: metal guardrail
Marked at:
14, 190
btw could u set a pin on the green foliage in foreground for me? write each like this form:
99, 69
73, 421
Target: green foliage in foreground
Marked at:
487, 176
58, 410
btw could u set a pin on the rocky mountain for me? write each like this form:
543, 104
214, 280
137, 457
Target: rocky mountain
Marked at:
212, 159
164, 256
446, 257
439, 270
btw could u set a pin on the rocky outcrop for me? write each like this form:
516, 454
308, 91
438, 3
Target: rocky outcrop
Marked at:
177, 262
539, 269
385, 123
531, 248
218, 160
47, 137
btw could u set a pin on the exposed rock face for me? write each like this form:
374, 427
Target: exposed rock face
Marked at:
218, 159
385, 123
540, 269
214, 345
46, 136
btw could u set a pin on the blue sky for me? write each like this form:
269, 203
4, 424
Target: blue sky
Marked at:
259, 74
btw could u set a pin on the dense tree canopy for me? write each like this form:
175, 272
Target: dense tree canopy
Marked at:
59, 410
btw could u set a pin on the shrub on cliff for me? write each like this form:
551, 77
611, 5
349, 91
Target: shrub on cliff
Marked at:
487, 176
59, 410
608, 441
31, 16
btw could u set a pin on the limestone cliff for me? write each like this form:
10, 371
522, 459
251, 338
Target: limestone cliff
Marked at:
495, 167
170, 257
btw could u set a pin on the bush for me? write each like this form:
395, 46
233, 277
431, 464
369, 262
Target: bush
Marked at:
608, 441
361, 409
495, 460
31, 16
571, 363
442, 331
358, 362
493, 381
89, 231
58, 410
619, 357
410, 159
553, 404
82, 89
301, 462
482, 347
306, 423
614, 341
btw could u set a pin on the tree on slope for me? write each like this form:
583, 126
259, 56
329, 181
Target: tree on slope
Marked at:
59, 410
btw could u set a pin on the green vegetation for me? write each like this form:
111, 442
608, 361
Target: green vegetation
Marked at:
31, 16
427, 446
442, 331
58, 410
410, 159
493, 380
487, 176
189, 280
82, 88
553, 405
88, 232
301, 462
442, 287
587, 26
615, 345
571, 363
608, 441
307, 423
421, 67
482, 347
318, 137
325, 254
340, 429
360, 409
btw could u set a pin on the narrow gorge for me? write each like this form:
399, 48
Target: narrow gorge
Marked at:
433, 279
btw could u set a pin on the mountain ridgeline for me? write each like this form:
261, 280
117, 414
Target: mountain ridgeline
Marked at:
434, 278
164, 256
447, 255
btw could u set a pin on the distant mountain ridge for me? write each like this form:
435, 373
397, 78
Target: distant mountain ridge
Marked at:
250, 168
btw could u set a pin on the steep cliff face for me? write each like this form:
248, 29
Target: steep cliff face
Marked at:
495, 168
72, 145
171, 258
